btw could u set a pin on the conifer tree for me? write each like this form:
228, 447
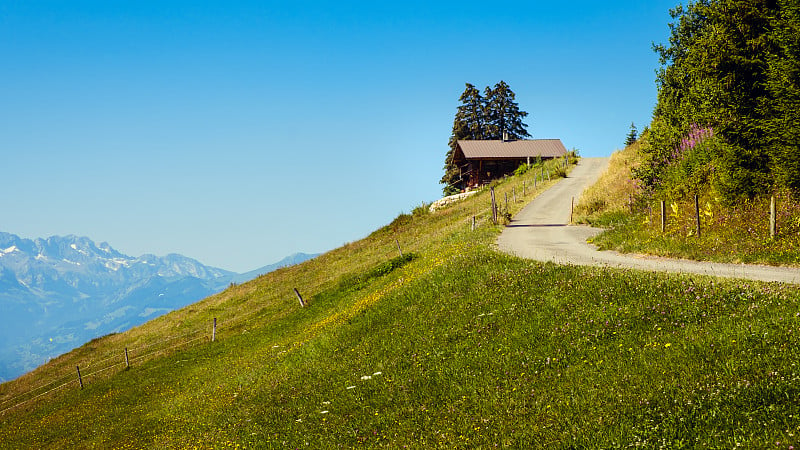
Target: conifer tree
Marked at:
632, 135
503, 114
469, 123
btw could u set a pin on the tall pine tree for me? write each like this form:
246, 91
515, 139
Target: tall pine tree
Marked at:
469, 123
503, 114
632, 135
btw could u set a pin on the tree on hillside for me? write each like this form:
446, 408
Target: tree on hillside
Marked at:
481, 117
730, 74
632, 135
469, 123
503, 114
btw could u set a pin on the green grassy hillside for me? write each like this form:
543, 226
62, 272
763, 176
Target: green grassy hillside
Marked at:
453, 345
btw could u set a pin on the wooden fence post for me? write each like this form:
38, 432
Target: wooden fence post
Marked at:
127, 361
299, 297
214, 331
506, 195
494, 208
80, 380
523, 189
697, 213
473, 223
398, 248
772, 214
663, 216
514, 192
571, 209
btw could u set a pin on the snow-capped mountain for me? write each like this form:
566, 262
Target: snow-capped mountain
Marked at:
60, 292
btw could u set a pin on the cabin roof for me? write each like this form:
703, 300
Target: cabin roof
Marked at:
499, 149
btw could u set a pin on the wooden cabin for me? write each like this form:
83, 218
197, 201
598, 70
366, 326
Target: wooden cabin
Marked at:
483, 161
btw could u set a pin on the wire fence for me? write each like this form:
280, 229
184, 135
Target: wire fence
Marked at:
124, 359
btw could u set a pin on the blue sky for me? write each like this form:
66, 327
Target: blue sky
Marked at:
240, 132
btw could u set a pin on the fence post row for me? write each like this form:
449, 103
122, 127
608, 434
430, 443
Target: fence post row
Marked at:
772, 216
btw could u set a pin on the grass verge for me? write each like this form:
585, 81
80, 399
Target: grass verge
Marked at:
728, 233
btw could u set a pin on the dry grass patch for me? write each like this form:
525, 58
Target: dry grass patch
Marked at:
614, 190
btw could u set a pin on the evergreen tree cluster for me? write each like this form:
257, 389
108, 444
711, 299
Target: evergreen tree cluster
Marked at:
482, 117
728, 112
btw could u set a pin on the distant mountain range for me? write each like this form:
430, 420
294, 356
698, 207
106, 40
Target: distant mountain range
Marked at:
60, 292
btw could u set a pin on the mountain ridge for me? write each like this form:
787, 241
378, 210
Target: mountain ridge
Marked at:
58, 292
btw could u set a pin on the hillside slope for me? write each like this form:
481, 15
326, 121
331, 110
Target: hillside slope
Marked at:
451, 345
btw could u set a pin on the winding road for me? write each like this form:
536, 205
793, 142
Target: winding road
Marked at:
541, 232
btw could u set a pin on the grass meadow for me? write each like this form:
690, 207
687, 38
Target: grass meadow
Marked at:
452, 345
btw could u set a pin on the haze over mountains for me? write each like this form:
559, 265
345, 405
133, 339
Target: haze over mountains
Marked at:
60, 292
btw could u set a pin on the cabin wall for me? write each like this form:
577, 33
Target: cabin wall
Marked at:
481, 171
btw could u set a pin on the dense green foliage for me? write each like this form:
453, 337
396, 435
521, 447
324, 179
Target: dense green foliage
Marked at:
490, 116
728, 112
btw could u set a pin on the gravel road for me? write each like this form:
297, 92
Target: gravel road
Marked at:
540, 232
